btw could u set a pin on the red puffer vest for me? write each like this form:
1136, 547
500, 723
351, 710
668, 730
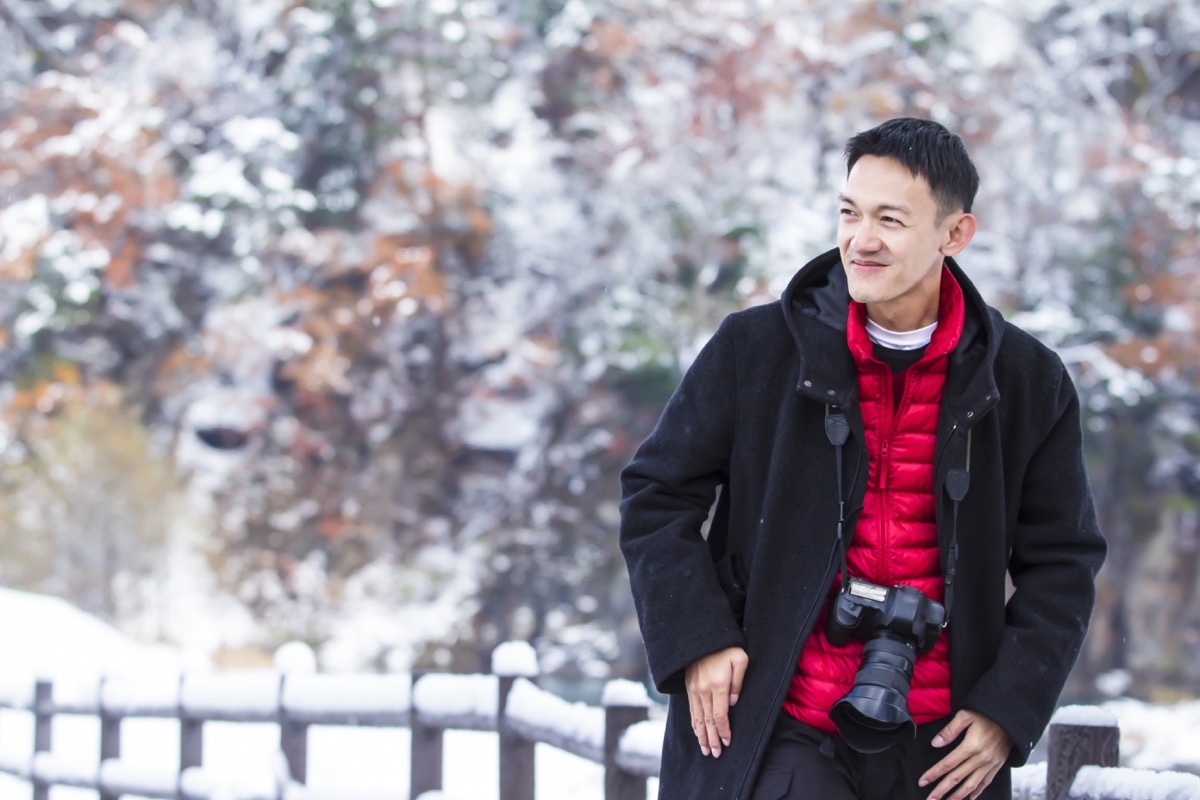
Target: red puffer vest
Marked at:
895, 540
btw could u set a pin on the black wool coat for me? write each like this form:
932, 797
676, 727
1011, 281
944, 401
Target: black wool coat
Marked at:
746, 425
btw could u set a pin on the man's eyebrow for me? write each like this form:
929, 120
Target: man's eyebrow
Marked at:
881, 208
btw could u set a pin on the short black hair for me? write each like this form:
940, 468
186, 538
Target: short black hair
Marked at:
930, 151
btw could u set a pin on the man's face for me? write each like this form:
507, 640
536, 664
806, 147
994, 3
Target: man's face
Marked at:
893, 244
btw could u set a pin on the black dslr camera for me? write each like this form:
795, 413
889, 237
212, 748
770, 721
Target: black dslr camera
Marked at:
897, 624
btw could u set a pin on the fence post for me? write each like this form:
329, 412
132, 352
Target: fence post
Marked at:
625, 703
43, 720
426, 752
510, 661
293, 739
191, 739
1079, 736
110, 740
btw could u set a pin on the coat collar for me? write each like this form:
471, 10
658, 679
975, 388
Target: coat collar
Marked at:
816, 305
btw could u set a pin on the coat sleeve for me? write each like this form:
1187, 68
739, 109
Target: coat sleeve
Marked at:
667, 492
1057, 549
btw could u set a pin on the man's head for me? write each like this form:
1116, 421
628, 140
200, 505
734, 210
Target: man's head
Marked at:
929, 151
905, 208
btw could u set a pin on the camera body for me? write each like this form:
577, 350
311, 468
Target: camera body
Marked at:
863, 610
897, 624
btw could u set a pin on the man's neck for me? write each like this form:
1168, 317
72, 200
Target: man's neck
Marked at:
914, 309
902, 320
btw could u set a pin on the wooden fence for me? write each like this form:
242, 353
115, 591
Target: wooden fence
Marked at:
617, 735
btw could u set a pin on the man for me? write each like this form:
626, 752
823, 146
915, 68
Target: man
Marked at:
882, 402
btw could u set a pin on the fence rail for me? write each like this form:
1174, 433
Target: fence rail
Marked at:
618, 735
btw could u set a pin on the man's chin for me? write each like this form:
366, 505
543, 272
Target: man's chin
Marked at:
861, 294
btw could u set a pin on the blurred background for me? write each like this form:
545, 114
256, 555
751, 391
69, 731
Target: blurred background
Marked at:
335, 321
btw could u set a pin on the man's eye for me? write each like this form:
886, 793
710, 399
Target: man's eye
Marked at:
845, 212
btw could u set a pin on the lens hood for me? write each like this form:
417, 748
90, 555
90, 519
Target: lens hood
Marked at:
872, 718
873, 715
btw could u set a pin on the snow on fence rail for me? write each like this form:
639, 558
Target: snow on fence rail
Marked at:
1083, 745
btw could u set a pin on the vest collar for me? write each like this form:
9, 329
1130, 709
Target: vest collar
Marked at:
951, 314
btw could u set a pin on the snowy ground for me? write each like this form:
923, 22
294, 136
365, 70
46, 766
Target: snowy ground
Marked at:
46, 637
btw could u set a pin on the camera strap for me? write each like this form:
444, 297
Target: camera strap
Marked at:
838, 431
957, 482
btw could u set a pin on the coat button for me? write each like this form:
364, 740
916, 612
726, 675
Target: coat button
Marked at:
808, 384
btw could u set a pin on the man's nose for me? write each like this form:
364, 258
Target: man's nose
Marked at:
865, 239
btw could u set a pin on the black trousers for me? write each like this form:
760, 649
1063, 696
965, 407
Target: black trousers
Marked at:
804, 763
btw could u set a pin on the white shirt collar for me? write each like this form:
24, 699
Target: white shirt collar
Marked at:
901, 340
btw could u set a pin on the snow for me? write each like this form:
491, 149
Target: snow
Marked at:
239, 695
993, 36
16, 692
363, 696
1089, 716
625, 693
1029, 781
295, 658
500, 425
543, 711
155, 695
248, 784
515, 660
1158, 736
1114, 683
77, 696
139, 778
1132, 784
438, 697
644, 738
91, 649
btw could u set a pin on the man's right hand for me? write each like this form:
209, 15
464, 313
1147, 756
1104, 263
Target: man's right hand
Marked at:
713, 684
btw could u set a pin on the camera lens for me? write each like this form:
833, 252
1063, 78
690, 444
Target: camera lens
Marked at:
873, 715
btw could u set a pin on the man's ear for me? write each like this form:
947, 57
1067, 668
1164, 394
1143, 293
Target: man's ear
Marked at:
959, 234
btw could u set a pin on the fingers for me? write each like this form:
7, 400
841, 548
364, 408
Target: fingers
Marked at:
738, 661
987, 781
965, 783
712, 685
696, 711
700, 707
952, 730
944, 771
971, 766
716, 717
960, 785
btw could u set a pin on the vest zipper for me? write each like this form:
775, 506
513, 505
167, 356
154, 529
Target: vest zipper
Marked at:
887, 428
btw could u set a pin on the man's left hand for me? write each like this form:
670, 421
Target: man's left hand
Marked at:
969, 768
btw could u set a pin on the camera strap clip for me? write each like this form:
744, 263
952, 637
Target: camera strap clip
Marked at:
957, 483
837, 429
